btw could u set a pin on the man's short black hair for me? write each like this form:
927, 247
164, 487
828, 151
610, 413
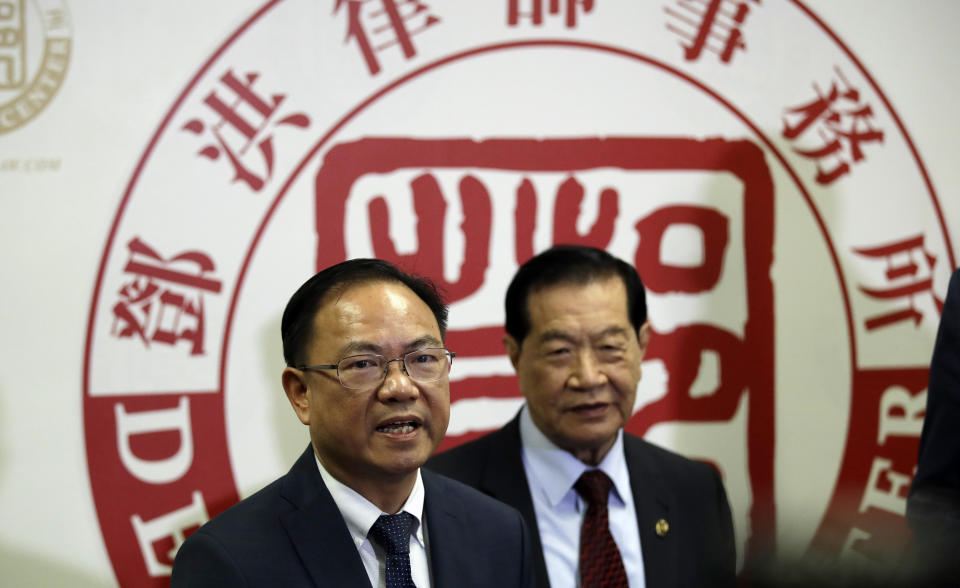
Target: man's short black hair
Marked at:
296, 327
570, 264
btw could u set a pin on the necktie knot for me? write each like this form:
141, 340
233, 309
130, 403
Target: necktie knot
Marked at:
392, 532
594, 486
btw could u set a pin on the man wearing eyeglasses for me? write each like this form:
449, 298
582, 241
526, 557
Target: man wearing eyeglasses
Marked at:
367, 372
607, 509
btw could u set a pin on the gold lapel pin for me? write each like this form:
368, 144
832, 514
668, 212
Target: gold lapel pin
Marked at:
662, 528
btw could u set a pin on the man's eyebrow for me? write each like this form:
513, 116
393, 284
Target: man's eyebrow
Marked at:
359, 347
424, 341
612, 330
554, 335
558, 335
356, 347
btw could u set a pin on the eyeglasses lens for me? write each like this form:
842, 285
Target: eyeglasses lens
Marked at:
422, 365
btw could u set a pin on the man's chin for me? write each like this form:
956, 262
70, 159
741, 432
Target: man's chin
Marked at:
596, 444
406, 462
595, 431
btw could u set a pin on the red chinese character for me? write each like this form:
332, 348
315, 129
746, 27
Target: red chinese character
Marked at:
838, 128
430, 208
713, 25
567, 210
380, 24
712, 371
662, 278
535, 12
235, 127
163, 301
906, 278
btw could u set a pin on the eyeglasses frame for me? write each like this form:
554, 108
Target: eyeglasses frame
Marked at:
386, 366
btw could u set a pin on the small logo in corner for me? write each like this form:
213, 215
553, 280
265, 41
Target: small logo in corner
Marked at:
35, 45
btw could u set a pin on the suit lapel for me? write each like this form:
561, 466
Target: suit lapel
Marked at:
504, 478
317, 528
653, 502
450, 565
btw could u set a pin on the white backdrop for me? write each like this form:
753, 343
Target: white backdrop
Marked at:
62, 176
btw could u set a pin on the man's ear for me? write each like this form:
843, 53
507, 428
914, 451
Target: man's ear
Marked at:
296, 388
644, 338
513, 349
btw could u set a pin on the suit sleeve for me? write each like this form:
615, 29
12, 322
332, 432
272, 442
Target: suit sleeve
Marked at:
526, 569
203, 562
933, 506
726, 542
938, 467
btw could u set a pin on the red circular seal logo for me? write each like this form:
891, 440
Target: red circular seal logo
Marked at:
782, 220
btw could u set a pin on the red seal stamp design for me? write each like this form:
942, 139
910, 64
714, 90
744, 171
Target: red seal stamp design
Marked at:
790, 336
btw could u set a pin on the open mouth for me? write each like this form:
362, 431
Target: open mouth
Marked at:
398, 427
590, 408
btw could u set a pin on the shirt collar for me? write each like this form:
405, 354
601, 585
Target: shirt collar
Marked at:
555, 470
360, 514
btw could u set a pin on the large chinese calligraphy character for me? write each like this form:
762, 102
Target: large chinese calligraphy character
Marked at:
714, 371
842, 124
909, 273
378, 25
534, 10
163, 300
711, 25
466, 212
244, 121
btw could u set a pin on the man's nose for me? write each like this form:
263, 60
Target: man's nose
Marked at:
587, 372
397, 385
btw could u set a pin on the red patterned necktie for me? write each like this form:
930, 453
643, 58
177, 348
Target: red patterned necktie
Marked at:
600, 562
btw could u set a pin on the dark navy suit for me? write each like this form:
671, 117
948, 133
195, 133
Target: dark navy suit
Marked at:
933, 507
698, 549
291, 534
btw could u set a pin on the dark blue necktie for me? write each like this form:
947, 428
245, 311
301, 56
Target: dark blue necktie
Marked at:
392, 532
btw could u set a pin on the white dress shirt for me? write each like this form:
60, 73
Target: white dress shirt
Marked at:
360, 514
551, 474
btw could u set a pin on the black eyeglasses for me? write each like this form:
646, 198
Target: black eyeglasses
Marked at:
368, 370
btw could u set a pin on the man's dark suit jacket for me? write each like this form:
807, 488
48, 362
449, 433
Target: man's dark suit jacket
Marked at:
697, 550
933, 507
291, 533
